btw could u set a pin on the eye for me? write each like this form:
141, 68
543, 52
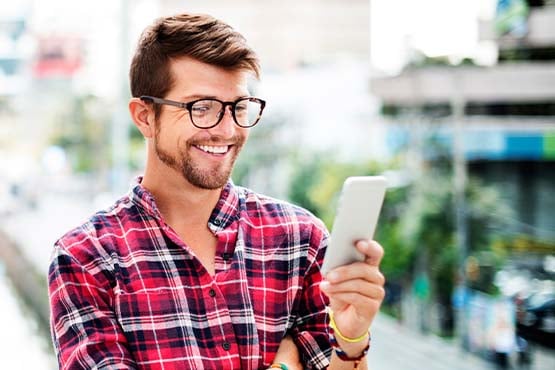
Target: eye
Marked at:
202, 107
241, 106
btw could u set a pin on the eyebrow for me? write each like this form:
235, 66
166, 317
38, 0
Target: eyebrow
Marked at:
198, 96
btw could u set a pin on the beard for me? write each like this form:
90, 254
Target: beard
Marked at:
203, 177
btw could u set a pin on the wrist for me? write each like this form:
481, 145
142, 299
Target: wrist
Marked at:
348, 348
356, 359
339, 335
351, 349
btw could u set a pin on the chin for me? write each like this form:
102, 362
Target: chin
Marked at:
207, 181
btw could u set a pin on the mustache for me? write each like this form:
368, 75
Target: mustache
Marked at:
217, 139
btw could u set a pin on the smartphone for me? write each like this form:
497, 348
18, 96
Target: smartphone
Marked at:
357, 214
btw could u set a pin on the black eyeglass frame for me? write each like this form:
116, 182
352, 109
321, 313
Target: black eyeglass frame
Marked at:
188, 106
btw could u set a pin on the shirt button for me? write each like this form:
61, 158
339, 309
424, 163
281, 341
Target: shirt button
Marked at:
217, 222
226, 256
212, 293
226, 346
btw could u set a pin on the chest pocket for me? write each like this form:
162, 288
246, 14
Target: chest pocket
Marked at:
151, 321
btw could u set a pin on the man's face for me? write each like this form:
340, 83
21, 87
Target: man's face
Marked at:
204, 157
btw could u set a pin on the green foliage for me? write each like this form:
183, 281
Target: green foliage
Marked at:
397, 261
265, 149
316, 182
315, 185
82, 130
417, 222
428, 226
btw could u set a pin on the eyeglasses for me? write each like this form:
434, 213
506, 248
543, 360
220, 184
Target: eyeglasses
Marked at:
208, 112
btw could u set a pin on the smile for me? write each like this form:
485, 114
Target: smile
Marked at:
213, 149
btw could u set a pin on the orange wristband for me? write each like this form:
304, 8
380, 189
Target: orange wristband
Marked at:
278, 366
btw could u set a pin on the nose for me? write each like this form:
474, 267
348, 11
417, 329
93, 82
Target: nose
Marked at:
226, 128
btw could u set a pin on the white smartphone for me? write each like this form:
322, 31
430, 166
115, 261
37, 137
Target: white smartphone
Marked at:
357, 214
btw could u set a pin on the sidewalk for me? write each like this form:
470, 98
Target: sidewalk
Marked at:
21, 345
36, 230
395, 347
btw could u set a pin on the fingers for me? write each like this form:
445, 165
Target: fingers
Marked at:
354, 271
351, 288
368, 270
372, 250
358, 285
363, 303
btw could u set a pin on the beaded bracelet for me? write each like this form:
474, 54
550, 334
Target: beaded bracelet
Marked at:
344, 356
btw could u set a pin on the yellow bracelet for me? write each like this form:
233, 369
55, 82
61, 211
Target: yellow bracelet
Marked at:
338, 333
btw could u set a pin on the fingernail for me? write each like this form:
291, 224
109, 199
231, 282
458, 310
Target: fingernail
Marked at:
332, 276
324, 285
363, 244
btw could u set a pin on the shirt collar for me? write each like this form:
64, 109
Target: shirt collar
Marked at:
226, 210
139, 195
224, 213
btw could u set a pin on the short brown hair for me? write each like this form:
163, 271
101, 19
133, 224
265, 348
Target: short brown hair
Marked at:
198, 36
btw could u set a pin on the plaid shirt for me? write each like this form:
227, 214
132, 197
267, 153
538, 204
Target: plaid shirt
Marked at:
127, 293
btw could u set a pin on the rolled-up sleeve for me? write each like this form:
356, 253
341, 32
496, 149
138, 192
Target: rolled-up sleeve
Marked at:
85, 332
310, 331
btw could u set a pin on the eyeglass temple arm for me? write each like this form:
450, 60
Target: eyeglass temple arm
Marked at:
152, 99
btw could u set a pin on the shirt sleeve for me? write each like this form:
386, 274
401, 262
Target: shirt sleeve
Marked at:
85, 332
310, 331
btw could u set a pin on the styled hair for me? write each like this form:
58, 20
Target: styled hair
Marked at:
198, 36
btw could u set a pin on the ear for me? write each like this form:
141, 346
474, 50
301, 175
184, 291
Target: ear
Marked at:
142, 115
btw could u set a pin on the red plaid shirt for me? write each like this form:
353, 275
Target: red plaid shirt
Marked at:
127, 293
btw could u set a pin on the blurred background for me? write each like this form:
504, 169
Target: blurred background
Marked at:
452, 100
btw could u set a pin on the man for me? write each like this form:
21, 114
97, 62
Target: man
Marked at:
189, 271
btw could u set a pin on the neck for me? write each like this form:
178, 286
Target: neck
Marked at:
178, 200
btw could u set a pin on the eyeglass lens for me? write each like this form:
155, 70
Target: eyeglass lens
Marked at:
206, 113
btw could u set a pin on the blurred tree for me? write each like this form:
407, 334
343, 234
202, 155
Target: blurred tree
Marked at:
264, 163
416, 224
428, 231
316, 181
82, 131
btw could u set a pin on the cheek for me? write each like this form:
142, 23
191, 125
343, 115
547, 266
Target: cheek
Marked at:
244, 133
173, 135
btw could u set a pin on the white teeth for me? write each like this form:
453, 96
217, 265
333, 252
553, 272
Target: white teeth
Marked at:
213, 149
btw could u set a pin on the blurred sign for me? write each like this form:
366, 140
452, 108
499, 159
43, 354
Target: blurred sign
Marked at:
505, 144
58, 57
421, 287
511, 18
491, 324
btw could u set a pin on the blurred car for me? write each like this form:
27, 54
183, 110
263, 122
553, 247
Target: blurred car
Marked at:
536, 318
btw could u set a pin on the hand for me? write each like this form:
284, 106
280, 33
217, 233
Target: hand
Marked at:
356, 290
288, 354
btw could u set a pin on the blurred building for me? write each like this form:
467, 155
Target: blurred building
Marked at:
14, 55
289, 33
506, 115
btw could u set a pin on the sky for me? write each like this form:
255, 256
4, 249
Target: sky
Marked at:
436, 27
